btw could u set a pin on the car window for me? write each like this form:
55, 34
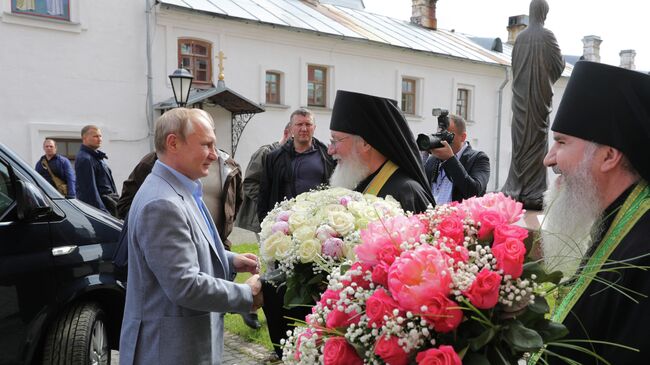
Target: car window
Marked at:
7, 196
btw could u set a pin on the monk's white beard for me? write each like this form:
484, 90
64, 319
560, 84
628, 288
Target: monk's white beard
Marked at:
349, 173
572, 209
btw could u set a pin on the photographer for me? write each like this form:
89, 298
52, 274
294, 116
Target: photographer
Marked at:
455, 170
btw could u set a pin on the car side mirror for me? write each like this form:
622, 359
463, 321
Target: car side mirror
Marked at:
31, 202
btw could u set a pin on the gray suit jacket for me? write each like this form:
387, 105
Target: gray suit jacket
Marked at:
177, 290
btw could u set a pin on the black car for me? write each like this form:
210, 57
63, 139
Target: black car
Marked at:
60, 302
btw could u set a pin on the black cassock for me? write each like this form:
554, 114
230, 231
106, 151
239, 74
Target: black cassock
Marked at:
404, 189
608, 315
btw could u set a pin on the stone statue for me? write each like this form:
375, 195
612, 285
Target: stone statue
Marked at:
537, 63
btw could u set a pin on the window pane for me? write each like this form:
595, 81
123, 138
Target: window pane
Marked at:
186, 48
201, 76
200, 50
202, 64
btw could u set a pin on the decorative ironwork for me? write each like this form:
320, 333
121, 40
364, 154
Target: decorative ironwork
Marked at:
238, 123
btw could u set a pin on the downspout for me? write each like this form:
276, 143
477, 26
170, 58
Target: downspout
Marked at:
149, 108
499, 114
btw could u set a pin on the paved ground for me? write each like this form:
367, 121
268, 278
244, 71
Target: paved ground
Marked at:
236, 352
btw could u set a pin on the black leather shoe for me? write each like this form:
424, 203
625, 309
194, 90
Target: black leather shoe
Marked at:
251, 320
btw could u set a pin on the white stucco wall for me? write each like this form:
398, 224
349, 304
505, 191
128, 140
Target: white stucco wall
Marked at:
59, 76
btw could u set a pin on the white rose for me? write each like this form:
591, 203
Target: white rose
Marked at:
309, 250
282, 249
272, 244
304, 233
342, 222
297, 220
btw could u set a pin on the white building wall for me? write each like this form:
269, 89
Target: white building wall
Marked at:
59, 76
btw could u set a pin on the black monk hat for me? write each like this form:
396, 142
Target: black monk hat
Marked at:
610, 106
380, 122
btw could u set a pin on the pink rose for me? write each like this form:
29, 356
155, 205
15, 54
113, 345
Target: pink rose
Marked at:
417, 275
489, 219
444, 313
380, 274
324, 232
484, 292
387, 254
452, 228
509, 209
443, 355
510, 256
338, 319
329, 295
283, 216
379, 304
344, 200
333, 247
390, 351
337, 351
280, 226
388, 232
503, 231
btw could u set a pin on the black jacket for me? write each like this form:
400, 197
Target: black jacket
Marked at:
469, 175
277, 169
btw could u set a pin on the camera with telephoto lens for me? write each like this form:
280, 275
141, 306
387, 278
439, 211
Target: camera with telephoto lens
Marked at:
429, 141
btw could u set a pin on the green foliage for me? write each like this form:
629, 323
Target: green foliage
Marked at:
521, 338
304, 286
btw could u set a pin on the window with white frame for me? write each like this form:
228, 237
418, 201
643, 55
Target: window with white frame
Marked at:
317, 85
409, 95
462, 102
273, 87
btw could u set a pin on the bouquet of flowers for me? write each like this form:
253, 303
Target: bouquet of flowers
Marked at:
311, 234
433, 288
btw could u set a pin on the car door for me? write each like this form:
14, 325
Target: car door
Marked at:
27, 284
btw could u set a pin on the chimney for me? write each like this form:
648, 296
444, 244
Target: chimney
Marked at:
627, 59
423, 13
591, 48
516, 24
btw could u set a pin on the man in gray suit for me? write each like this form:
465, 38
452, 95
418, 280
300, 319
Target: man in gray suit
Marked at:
178, 268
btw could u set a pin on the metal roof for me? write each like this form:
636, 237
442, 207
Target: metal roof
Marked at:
340, 21
220, 95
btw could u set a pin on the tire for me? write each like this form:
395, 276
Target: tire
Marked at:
78, 337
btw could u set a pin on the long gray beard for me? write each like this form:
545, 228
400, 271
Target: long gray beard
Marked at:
572, 214
348, 174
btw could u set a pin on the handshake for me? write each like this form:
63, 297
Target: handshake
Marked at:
248, 262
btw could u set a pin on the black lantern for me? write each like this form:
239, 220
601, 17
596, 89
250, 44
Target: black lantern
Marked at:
181, 81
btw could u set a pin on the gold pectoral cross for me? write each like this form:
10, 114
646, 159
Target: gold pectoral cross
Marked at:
221, 57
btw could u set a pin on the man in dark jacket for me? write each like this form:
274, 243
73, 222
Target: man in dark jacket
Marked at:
53, 166
457, 171
95, 184
247, 216
296, 167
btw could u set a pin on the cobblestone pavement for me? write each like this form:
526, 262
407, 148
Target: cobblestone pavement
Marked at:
236, 352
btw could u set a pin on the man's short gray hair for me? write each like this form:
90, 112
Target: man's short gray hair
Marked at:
178, 121
302, 112
87, 129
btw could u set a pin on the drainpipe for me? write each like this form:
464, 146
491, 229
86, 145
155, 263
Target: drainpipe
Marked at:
499, 113
149, 6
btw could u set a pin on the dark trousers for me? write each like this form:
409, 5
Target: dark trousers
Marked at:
276, 315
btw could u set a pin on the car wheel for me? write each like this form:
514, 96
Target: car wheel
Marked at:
78, 337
